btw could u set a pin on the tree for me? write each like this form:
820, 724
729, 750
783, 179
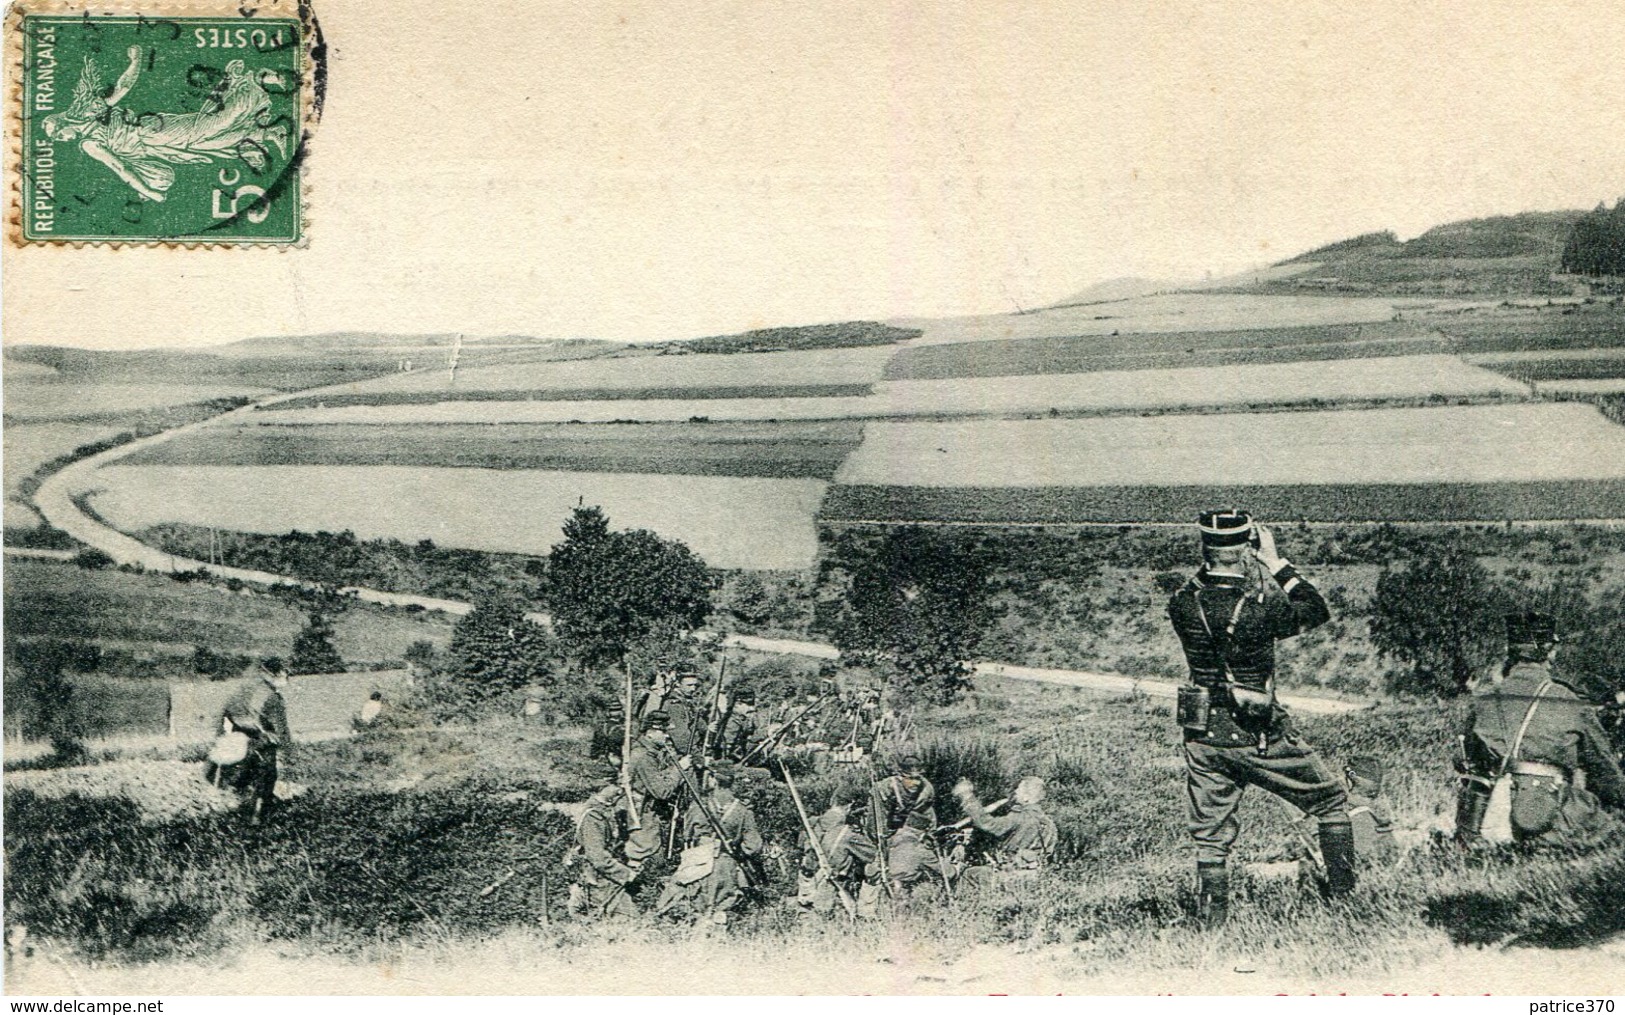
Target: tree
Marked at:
494, 648
607, 589
313, 650
918, 602
1596, 246
1441, 617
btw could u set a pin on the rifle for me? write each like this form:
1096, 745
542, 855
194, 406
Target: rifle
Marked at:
964, 822
770, 741
632, 821
711, 713
824, 866
722, 833
882, 840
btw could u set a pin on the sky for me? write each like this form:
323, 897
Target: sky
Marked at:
641, 171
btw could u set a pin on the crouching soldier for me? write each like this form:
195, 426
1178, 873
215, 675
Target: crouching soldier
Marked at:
1526, 740
903, 812
1242, 600
710, 878
603, 884
849, 852
1024, 837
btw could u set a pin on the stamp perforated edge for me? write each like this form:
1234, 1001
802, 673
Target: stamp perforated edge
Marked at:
310, 94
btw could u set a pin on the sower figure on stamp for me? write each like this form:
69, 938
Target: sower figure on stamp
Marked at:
655, 778
1229, 615
602, 887
1526, 742
256, 711
234, 124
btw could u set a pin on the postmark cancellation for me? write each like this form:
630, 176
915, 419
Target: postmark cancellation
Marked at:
159, 124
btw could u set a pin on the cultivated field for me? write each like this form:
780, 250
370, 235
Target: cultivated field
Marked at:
731, 522
1388, 378
773, 450
1494, 443
1321, 502
820, 371
1174, 312
39, 401
153, 616
1596, 325
1405, 378
31, 445
1084, 353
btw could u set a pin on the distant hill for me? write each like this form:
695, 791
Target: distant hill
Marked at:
1529, 234
1126, 288
349, 342
1502, 255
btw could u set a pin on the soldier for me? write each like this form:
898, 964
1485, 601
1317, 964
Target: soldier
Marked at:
1229, 615
814, 893
902, 809
687, 712
602, 890
709, 879
741, 729
1026, 836
655, 773
1534, 731
256, 710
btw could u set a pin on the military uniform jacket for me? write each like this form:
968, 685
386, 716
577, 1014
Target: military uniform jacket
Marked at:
738, 821
849, 850
1026, 834
653, 771
896, 806
687, 722
598, 835
1564, 732
1204, 610
257, 709
740, 733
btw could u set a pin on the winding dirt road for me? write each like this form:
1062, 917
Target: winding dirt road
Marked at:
58, 497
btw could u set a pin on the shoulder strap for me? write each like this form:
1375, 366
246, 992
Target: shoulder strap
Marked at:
1229, 630
1517, 741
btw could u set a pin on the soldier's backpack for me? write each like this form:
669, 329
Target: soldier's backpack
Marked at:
1497, 825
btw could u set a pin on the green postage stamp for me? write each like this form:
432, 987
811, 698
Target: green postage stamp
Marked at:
168, 125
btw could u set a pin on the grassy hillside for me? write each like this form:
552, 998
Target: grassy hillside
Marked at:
1494, 256
401, 833
149, 624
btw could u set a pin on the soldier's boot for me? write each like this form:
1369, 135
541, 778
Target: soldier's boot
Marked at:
1213, 893
1337, 850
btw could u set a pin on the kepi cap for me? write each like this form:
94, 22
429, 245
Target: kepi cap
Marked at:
1225, 527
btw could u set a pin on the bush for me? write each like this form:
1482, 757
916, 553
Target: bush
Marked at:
1441, 618
92, 559
313, 650
609, 588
